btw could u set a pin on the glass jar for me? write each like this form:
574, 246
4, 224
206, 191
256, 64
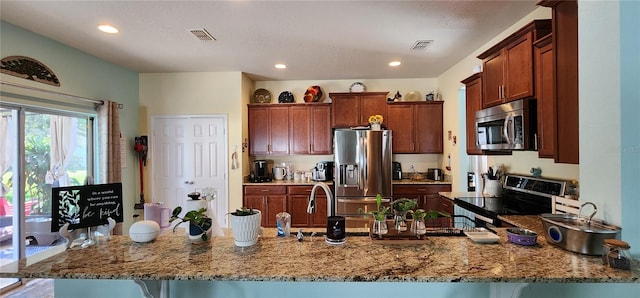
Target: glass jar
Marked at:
615, 254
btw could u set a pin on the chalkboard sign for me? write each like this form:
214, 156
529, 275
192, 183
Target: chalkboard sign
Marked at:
86, 205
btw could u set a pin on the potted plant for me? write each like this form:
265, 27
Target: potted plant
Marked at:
379, 217
400, 209
245, 225
418, 226
199, 223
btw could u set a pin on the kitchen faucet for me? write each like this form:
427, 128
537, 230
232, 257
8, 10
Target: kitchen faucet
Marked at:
595, 210
311, 208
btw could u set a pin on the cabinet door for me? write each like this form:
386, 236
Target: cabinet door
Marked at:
473, 104
372, 104
275, 204
300, 125
279, 130
493, 78
428, 130
546, 102
321, 138
402, 123
346, 110
298, 210
258, 130
256, 202
319, 219
519, 68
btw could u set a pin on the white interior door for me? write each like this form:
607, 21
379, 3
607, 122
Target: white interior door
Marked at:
187, 154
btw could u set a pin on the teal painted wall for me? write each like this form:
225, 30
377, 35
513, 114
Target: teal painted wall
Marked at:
87, 76
630, 122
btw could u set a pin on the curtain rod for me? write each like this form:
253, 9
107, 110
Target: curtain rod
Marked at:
95, 101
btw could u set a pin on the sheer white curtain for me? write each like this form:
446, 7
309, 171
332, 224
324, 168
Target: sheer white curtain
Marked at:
64, 132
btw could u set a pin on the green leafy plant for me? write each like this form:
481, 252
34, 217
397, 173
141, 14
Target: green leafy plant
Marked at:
244, 211
404, 204
380, 213
196, 218
421, 214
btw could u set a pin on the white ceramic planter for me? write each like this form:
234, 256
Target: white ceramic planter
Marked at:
246, 229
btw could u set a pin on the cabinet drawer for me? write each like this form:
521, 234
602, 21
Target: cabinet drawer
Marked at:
301, 190
420, 189
265, 190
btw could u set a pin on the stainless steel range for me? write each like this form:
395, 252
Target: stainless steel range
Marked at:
522, 195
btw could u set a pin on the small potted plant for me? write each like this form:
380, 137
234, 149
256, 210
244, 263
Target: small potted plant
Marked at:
199, 223
245, 224
418, 226
400, 209
379, 217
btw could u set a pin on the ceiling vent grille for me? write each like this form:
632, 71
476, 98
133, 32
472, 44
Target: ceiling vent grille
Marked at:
202, 34
421, 45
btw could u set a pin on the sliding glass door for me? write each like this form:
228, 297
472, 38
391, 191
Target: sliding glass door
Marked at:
41, 149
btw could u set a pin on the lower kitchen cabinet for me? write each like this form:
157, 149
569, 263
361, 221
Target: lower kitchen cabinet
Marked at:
426, 195
270, 200
298, 201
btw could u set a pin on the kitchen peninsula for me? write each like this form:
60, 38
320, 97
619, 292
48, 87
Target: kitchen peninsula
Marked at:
276, 259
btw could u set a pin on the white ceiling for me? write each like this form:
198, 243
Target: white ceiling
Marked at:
318, 40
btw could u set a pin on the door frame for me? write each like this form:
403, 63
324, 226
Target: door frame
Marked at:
221, 211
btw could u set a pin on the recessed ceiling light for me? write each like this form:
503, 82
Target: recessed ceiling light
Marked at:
108, 29
281, 66
394, 63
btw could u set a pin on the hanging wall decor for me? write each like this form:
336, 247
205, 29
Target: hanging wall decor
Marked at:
28, 68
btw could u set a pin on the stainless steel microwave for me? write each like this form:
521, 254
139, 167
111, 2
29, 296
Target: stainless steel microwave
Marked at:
509, 126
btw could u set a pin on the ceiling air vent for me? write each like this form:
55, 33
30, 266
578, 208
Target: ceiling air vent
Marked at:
202, 34
421, 45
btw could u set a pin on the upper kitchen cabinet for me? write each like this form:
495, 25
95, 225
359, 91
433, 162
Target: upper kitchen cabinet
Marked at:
473, 89
351, 109
268, 129
544, 94
565, 76
310, 129
508, 72
416, 126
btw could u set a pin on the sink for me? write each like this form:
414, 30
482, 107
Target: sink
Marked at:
577, 234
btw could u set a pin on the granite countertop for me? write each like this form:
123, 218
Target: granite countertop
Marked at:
437, 259
305, 182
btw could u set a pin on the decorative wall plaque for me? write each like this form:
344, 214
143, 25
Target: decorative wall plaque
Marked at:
28, 68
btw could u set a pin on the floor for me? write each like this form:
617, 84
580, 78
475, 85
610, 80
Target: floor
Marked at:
35, 288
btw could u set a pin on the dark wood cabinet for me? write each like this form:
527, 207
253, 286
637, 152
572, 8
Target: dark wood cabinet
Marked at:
565, 57
544, 94
426, 195
290, 129
473, 91
270, 200
416, 126
298, 201
268, 129
508, 66
354, 108
273, 199
310, 129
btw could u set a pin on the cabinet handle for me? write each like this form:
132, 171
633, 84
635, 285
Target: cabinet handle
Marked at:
264, 190
503, 93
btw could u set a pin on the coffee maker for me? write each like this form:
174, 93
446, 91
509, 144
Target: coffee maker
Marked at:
260, 172
323, 171
397, 171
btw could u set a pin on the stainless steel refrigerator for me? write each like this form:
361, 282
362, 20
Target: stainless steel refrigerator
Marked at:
362, 164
